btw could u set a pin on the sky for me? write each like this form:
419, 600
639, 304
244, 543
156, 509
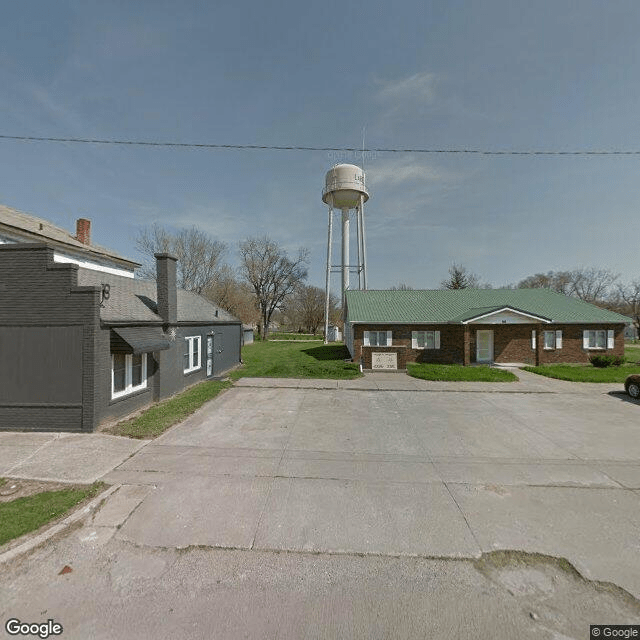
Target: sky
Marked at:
493, 75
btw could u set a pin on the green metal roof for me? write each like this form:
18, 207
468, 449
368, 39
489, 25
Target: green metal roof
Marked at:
437, 307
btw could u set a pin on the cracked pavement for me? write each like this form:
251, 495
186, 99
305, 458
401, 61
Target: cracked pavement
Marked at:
282, 511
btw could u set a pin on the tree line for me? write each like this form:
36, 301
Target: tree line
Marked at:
268, 284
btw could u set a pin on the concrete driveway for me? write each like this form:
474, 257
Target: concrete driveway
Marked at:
374, 508
421, 471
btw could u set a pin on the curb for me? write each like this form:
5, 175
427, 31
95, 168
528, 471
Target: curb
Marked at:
76, 516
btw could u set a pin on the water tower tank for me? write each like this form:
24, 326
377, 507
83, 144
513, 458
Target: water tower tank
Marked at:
344, 184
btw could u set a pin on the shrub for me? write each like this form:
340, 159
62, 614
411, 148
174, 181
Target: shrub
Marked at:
601, 360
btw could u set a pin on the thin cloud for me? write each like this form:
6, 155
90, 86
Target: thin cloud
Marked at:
419, 87
391, 172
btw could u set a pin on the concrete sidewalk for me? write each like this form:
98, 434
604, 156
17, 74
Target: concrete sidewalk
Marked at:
384, 381
63, 457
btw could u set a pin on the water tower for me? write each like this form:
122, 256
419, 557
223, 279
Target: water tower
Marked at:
345, 191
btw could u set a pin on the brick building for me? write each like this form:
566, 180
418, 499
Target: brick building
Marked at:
387, 329
81, 347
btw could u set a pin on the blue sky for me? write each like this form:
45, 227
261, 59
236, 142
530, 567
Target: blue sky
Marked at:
494, 75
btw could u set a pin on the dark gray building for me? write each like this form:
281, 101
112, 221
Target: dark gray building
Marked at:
81, 347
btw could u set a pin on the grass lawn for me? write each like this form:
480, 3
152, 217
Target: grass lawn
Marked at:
158, 418
277, 335
632, 352
29, 513
458, 372
296, 360
585, 372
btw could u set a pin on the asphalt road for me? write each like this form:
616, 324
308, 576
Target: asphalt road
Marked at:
363, 512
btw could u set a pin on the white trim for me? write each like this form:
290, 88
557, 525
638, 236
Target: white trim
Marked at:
586, 338
192, 365
511, 309
533, 339
128, 376
610, 339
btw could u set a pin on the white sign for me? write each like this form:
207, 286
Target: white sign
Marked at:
384, 360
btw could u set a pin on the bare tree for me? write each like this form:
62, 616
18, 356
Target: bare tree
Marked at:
199, 255
460, 278
267, 268
401, 287
592, 284
560, 281
305, 309
587, 283
628, 296
234, 296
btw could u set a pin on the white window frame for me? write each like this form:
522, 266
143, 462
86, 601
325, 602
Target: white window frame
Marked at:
435, 335
556, 340
367, 339
128, 376
193, 366
587, 334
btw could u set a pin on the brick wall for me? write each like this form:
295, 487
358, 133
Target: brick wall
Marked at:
43, 313
512, 343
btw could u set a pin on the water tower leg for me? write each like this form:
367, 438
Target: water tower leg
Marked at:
345, 253
328, 283
360, 250
364, 245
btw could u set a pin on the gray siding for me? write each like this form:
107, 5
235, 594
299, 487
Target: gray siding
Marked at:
48, 329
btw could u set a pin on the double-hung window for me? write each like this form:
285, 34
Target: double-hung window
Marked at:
128, 373
377, 338
598, 339
553, 340
192, 351
425, 339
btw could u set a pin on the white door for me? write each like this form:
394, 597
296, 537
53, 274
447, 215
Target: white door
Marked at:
484, 346
209, 355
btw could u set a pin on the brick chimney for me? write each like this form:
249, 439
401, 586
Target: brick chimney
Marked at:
166, 285
83, 230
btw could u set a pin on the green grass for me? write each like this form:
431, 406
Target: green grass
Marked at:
278, 335
27, 514
632, 352
458, 372
585, 372
158, 418
296, 360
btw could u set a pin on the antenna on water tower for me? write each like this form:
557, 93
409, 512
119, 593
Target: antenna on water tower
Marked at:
345, 190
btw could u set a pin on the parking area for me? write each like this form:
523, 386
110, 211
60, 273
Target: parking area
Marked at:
421, 472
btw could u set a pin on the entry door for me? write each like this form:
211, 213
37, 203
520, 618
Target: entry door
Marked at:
209, 355
484, 345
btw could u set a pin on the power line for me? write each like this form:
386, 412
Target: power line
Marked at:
195, 145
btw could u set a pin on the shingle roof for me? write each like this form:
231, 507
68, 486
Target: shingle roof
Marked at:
39, 230
435, 307
132, 300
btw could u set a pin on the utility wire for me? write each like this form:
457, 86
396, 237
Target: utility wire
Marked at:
193, 145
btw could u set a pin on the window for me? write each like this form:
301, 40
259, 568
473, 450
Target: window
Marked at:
192, 353
377, 338
128, 373
553, 339
597, 339
425, 339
